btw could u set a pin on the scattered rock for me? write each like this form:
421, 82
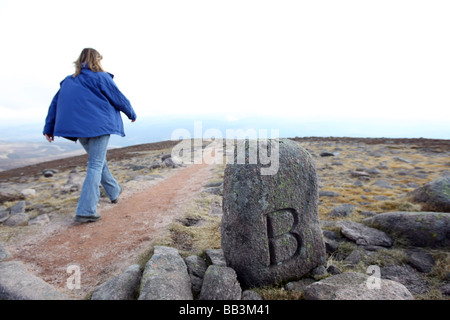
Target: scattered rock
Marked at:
169, 163
420, 229
165, 277
323, 193
196, 268
363, 235
354, 286
435, 195
344, 210
4, 215
353, 258
122, 287
328, 154
10, 195
28, 193
250, 295
48, 173
445, 289
270, 228
220, 283
16, 283
402, 160
40, 220
166, 156
319, 272
383, 184
216, 257
214, 184
412, 185
298, 286
4, 254
359, 174
330, 245
216, 191
333, 270
367, 213
380, 197
420, 260
74, 182
19, 207
16, 220
374, 171
407, 276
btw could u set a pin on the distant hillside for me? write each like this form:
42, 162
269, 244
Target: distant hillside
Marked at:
20, 154
69, 161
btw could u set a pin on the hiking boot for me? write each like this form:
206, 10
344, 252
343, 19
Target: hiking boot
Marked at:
84, 219
117, 199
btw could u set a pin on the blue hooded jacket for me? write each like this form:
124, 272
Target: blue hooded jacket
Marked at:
87, 105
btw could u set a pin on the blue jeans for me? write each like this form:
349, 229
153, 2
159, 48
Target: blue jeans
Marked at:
97, 173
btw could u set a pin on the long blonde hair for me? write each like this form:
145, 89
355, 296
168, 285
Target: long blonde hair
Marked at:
92, 58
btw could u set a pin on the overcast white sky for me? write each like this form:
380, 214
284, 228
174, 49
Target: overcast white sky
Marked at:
383, 59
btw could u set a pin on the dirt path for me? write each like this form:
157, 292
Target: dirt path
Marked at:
125, 231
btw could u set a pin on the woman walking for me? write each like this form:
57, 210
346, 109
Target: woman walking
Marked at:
87, 108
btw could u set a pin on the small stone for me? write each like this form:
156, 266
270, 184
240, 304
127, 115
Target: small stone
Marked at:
407, 276
359, 174
363, 235
328, 154
332, 269
380, 197
4, 215
298, 286
40, 220
319, 272
19, 207
19, 219
28, 193
367, 213
330, 245
420, 260
353, 258
445, 289
343, 210
220, 283
216, 256
250, 295
382, 184
196, 269
324, 193
48, 173
4, 254
402, 160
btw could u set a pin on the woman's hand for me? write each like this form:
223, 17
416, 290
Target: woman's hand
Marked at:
49, 137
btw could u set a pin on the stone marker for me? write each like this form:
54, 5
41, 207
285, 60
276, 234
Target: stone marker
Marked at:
270, 227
